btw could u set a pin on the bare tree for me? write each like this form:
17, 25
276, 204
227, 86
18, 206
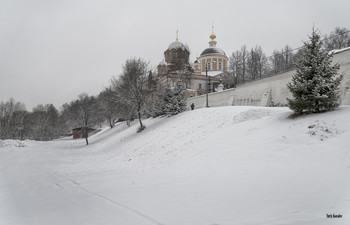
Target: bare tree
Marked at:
131, 88
43, 123
288, 57
235, 66
107, 107
282, 60
83, 112
12, 115
238, 64
338, 39
277, 62
257, 63
244, 62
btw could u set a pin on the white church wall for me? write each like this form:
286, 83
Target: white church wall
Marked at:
343, 58
271, 91
195, 84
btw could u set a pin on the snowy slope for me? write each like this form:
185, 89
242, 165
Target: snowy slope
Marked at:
228, 165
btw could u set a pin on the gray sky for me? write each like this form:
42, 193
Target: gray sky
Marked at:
51, 51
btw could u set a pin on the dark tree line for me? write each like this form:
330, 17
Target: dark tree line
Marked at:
131, 95
12, 119
252, 64
248, 65
337, 39
43, 123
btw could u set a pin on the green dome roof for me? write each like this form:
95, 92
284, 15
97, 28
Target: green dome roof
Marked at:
213, 50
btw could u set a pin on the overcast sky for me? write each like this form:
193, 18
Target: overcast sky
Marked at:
51, 51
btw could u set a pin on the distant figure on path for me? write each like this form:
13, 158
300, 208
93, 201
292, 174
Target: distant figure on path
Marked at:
192, 106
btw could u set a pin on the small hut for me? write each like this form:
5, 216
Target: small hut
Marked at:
81, 132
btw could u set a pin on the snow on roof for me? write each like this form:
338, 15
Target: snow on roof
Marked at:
177, 45
335, 51
162, 63
213, 73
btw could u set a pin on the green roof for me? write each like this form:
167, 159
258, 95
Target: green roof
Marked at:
213, 50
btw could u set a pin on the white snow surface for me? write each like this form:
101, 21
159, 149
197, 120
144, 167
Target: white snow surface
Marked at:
211, 166
335, 51
213, 73
17, 143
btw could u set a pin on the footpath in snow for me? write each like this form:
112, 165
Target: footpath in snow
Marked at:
222, 166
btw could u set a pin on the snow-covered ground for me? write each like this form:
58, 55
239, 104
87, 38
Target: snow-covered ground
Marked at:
217, 166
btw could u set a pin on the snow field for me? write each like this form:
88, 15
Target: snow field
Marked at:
223, 166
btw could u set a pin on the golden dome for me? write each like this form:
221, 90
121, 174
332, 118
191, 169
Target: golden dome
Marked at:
212, 35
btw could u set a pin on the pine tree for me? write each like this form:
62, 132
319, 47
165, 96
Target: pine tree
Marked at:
315, 86
177, 103
171, 101
158, 107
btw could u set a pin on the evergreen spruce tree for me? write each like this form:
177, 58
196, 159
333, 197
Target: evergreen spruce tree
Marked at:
168, 97
160, 107
157, 108
315, 86
177, 101
171, 101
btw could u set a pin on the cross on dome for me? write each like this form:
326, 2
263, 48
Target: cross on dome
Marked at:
212, 35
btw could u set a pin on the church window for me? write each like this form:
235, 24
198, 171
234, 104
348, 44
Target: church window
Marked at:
173, 55
200, 86
209, 66
220, 66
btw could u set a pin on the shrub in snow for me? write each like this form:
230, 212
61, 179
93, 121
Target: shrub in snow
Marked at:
315, 86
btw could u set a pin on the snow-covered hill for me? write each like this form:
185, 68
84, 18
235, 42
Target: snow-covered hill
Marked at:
222, 166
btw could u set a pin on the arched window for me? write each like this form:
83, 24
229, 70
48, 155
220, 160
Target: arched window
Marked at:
220, 66
208, 66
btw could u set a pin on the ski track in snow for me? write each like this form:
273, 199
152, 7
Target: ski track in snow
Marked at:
104, 198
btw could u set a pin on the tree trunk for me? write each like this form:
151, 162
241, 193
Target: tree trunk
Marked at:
111, 124
139, 116
86, 136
